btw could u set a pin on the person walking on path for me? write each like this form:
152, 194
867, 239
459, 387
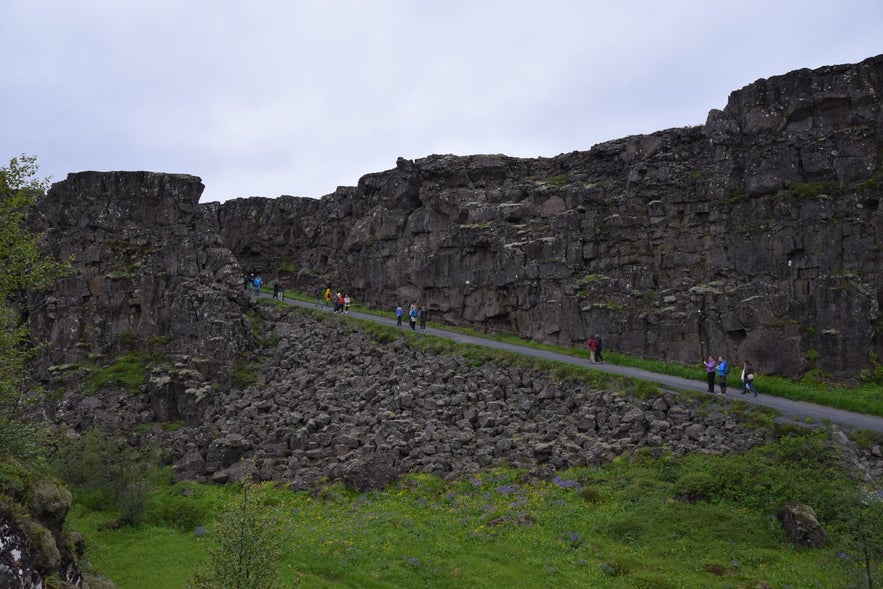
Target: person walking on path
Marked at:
412, 317
598, 355
593, 348
327, 297
423, 316
748, 378
257, 284
399, 313
710, 365
723, 369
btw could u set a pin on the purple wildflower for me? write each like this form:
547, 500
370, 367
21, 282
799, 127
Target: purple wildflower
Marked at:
565, 483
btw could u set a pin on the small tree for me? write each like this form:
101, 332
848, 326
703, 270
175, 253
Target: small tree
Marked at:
23, 268
246, 547
108, 472
864, 538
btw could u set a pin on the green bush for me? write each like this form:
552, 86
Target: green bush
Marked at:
15, 480
132, 500
245, 374
696, 486
178, 511
105, 473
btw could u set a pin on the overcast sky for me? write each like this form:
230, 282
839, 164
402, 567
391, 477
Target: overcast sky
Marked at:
271, 97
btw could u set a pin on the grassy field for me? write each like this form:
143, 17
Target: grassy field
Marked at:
698, 521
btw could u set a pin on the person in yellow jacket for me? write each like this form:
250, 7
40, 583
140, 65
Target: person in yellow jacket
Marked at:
327, 297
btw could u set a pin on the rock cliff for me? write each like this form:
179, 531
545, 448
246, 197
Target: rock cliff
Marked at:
757, 235
151, 279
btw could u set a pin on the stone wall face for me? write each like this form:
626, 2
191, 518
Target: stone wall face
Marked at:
149, 266
757, 235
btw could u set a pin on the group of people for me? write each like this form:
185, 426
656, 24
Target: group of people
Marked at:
339, 303
596, 355
415, 313
720, 369
253, 283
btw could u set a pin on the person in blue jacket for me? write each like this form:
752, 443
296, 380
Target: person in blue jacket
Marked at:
723, 369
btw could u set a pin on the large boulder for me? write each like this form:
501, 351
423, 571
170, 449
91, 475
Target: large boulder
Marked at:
802, 527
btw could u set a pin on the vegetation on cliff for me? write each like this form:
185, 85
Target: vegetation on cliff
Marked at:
23, 268
33, 505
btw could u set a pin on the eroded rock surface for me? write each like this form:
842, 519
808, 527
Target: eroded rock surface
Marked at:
757, 235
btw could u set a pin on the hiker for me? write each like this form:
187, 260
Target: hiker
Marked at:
598, 346
346, 303
723, 369
710, 365
399, 313
748, 378
257, 284
412, 317
423, 316
593, 348
327, 298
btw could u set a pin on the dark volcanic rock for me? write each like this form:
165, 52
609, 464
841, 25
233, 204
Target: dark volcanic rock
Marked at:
802, 526
150, 272
331, 403
374, 473
757, 235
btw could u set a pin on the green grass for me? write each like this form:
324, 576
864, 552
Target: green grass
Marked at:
619, 526
126, 371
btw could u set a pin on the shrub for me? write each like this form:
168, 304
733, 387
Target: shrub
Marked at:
178, 511
696, 486
246, 547
15, 480
591, 495
106, 473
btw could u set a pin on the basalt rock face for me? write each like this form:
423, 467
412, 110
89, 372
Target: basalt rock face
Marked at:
150, 275
758, 235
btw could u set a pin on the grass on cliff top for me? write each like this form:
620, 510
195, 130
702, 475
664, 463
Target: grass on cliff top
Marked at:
866, 398
697, 521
